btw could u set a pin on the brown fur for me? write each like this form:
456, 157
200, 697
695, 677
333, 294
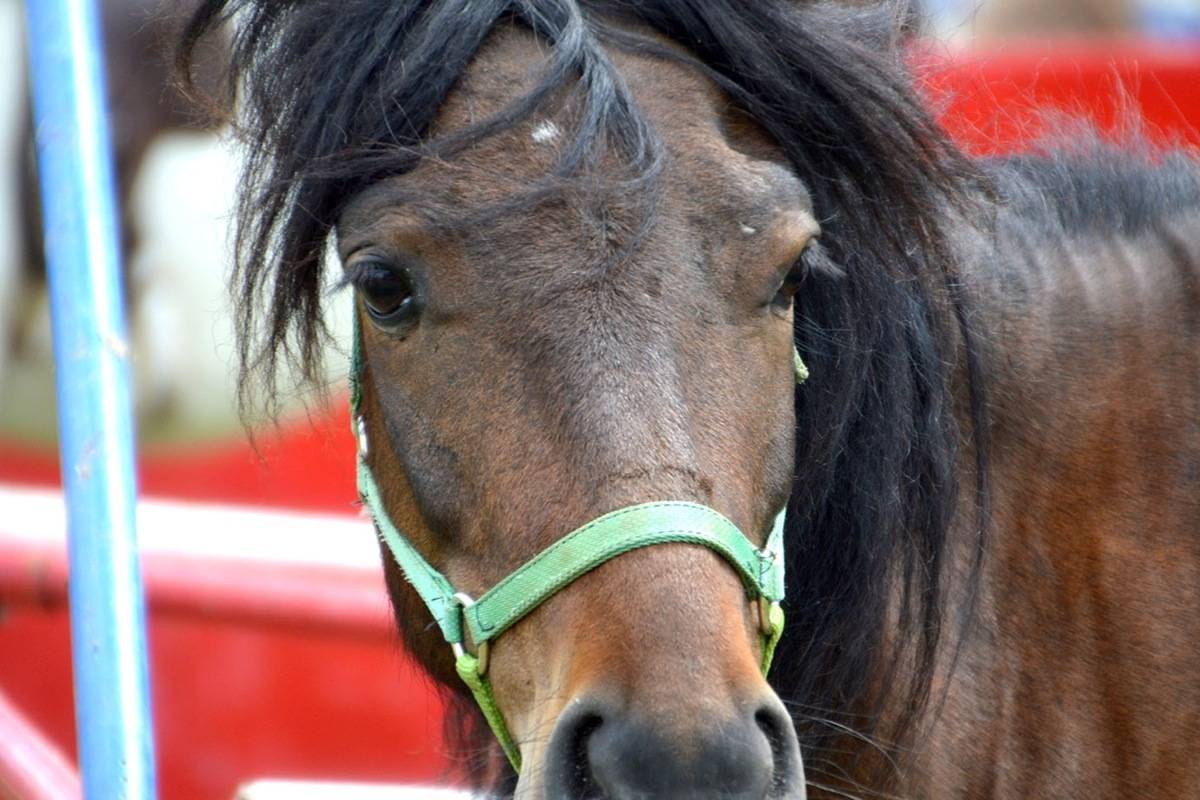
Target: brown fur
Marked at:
1083, 678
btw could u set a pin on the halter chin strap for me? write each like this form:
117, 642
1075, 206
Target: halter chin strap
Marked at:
480, 621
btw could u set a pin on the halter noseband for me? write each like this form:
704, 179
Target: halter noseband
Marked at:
560, 564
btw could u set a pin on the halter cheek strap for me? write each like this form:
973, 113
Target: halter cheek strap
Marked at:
560, 564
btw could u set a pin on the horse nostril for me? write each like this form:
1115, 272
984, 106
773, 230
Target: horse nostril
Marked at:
787, 779
568, 769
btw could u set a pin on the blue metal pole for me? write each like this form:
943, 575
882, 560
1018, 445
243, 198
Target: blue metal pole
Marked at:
91, 354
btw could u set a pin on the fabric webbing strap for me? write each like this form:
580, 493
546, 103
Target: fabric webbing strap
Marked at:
609, 536
574, 555
467, 667
431, 585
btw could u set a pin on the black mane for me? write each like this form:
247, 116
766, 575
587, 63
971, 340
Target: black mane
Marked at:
1089, 187
335, 94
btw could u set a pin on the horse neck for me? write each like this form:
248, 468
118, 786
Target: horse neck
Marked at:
1091, 582
1094, 369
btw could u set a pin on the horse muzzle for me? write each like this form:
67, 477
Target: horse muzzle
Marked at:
605, 748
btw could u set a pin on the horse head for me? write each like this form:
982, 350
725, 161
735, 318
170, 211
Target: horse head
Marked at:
585, 243
527, 369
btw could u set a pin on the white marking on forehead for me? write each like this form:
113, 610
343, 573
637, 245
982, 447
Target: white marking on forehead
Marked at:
746, 229
546, 131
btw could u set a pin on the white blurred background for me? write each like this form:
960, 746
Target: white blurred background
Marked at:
180, 197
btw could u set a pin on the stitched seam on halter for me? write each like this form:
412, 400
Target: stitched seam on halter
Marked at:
613, 515
753, 573
578, 532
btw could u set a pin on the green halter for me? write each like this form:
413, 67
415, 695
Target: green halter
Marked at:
562, 563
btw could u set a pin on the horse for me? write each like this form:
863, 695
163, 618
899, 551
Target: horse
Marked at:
1006, 19
583, 238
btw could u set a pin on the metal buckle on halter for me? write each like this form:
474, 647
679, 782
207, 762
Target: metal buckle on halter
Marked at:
764, 605
482, 651
360, 430
764, 615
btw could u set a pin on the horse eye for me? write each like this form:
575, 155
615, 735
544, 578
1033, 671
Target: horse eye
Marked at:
794, 279
389, 293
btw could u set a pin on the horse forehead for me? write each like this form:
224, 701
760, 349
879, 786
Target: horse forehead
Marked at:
512, 61
684, 107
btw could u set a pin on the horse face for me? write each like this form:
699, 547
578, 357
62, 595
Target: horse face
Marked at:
533, 370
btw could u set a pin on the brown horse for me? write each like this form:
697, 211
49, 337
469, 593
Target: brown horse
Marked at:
583, 236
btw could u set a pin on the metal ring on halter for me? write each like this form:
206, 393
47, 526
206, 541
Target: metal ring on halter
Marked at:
482, 651
360, 427
764, 616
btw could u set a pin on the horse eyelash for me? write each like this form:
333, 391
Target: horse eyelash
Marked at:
819, 263
350, 278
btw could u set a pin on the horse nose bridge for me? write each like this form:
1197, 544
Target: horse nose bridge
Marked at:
626, 424
611, 366
659, 623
